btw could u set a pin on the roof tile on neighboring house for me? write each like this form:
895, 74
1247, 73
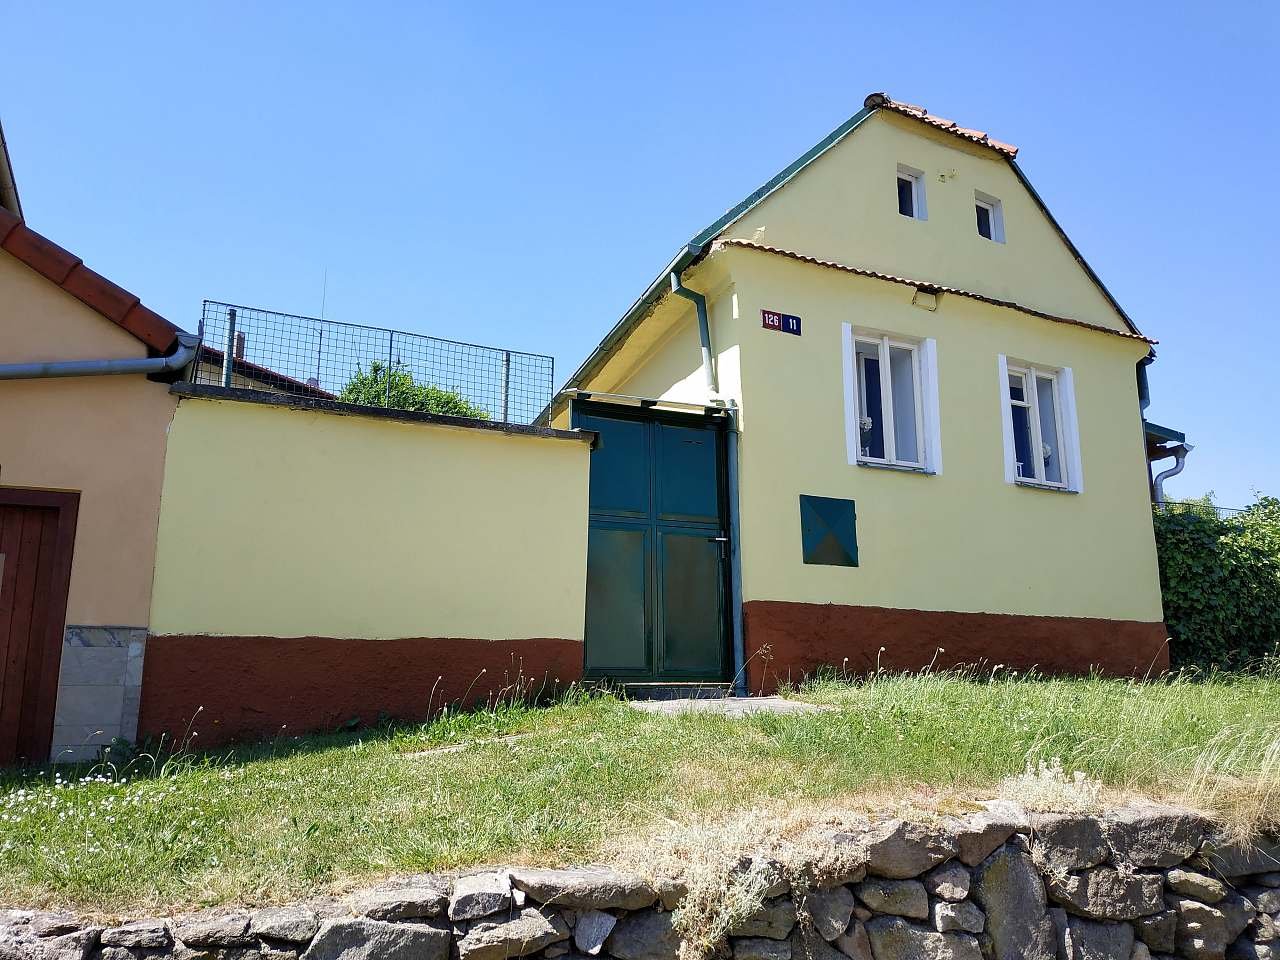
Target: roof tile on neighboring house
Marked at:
92, 289
928, 286
885, 102
265, 375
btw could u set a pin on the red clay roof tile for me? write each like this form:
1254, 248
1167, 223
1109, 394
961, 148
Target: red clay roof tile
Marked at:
149, 327
101, 294
8, 223
89, 287
41, 254
929, 286
885, 102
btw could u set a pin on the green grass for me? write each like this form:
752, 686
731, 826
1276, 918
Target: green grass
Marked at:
294, 817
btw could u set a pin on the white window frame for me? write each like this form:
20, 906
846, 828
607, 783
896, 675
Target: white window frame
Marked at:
1064, 402
924, 363
996, 209
920, 209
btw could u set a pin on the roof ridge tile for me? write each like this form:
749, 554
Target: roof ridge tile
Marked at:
916, 112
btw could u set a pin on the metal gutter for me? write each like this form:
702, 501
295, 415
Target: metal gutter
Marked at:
1163, 434
1144, 383
184, 351
9, 198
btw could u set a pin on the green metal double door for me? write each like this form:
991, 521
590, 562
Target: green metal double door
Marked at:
658, 549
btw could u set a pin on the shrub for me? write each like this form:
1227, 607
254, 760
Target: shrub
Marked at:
370, 388
1221, 584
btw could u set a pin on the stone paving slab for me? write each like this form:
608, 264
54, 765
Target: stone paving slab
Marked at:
727, 706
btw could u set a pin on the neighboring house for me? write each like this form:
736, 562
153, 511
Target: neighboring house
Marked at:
81, 463
210, 367
882, 412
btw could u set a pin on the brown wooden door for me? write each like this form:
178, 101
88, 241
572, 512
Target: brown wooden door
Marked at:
37, 529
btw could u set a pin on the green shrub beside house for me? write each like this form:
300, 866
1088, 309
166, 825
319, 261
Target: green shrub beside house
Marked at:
1220, 580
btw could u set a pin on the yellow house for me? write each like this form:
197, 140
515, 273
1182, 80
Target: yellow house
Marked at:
882, 412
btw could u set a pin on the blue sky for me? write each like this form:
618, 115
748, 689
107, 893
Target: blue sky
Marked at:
516, 174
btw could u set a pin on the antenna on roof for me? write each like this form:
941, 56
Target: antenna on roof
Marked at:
324, 291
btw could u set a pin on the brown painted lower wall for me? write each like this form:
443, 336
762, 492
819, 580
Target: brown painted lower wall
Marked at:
251, 687
785, 641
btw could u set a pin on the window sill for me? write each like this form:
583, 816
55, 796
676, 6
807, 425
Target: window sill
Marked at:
1047, 487
895, 467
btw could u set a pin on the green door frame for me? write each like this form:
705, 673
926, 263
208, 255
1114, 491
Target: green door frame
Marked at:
719, 425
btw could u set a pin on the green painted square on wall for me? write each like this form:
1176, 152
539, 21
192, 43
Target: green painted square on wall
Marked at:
829, 531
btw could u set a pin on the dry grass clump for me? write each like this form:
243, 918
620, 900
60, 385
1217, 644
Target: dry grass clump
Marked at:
1236, 776
732, 865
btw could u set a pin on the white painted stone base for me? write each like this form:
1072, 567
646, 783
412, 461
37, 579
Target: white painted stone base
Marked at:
99, 688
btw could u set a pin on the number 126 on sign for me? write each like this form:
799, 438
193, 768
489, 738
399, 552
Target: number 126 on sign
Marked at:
782, 322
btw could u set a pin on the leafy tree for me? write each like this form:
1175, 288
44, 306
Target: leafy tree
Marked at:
370, 389
1220, 579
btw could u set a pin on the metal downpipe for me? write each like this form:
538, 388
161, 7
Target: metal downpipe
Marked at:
183, 353
731, 454
735, 558
704, 329
1180, 460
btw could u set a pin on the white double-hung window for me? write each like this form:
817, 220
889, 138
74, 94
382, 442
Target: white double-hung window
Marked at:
891, 401
1041, 435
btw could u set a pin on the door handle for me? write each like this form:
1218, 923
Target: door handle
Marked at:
717, 539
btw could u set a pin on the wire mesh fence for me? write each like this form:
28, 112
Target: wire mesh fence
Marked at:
373, 366
1198, 507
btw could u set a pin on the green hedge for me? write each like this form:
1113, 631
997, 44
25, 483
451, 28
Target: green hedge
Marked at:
1220, 578
404, 393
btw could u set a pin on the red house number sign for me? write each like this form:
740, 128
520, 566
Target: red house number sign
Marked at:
782, 322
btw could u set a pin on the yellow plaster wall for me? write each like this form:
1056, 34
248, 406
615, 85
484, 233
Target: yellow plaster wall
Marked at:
672, 370
662, 359
844, 207
289, 523
102, 436
964, 540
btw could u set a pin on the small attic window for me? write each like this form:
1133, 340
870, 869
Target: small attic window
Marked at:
911, 193
990, 216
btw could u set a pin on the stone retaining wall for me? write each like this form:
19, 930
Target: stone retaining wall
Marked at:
1137, 883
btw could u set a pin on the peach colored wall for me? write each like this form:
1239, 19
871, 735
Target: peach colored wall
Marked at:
103, 436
